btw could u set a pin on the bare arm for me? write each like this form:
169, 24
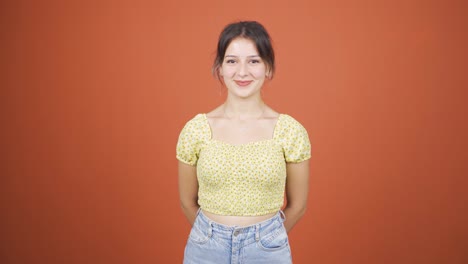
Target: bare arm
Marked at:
188, 191
297, 189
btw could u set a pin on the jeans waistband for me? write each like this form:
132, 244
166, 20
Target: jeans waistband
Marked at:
226, 231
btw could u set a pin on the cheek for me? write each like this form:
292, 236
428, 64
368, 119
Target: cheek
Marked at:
258, 73
228, 71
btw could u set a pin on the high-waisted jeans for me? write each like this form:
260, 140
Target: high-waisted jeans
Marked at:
214, 243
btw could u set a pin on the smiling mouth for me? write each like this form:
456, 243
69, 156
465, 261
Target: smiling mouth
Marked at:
243, 83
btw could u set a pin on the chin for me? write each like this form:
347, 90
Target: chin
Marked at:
244, 92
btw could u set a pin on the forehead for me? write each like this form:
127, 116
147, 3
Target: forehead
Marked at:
241, 47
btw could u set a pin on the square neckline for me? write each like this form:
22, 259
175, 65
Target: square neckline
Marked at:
255, 142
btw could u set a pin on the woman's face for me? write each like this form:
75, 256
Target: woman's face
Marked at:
243, 70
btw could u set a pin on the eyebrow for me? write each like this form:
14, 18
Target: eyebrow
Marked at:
250, 56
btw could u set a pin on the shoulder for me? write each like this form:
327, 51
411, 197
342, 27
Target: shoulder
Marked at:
196, 121
289, 123
289, 119
197, 126
195, 132
294, 139
191, 138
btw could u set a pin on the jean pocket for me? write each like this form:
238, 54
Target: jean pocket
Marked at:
197, 235
276, 240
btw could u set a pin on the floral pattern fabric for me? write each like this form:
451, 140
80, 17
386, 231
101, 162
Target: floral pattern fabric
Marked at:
247, 179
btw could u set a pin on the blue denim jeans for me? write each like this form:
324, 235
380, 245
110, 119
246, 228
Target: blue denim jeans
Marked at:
264, 242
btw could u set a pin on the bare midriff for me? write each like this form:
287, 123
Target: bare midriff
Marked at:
231, 220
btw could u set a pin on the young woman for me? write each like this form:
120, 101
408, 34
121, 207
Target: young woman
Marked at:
237, 161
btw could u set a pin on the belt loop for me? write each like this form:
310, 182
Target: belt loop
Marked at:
210, 229
257, 232
282, 215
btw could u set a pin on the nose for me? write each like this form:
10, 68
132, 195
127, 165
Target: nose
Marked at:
242, 71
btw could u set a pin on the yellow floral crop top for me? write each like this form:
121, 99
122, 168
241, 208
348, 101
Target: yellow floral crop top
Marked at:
247, 179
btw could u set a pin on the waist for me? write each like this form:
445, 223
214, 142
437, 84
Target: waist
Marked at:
240, 221
225, 234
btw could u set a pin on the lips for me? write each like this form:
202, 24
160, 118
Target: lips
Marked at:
243, 83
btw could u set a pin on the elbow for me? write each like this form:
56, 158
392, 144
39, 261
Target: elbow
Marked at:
188, 205
302, 210
298, 210
184, 206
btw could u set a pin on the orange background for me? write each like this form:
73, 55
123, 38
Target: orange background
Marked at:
95, 93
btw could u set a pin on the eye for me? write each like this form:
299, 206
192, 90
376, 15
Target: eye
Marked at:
255, 61
230, 61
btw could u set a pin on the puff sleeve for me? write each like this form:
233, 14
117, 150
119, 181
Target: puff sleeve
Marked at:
295, 141
191, 139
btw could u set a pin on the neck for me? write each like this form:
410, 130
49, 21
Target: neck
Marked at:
249, 109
